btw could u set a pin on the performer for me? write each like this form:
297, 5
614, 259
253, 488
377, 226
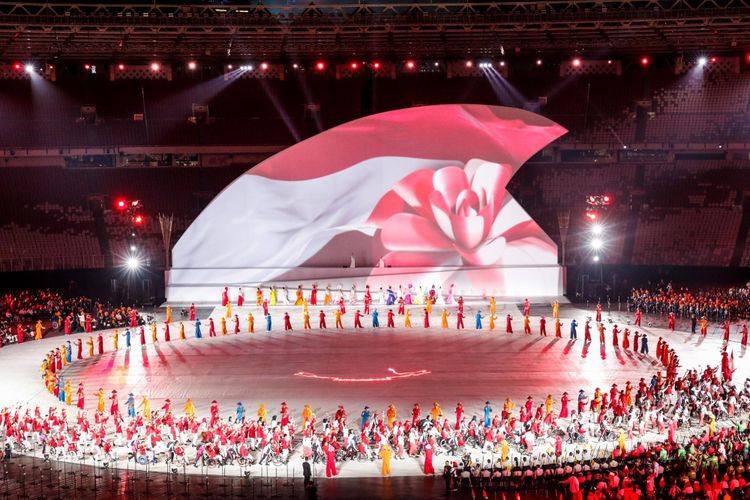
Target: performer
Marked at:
250, 323
587, 331
211, 328
342, 307
228, 310
426, 317
224, 296
615, 341
444, 319
314, 295
386, 453
264, 305
449, 298
459, 320
744, 335
146, 406
39, 329
625, 339
508, 324
236, 326
142, 332
154, 337
357, 319
306, 320
555, 310
375, 320
601, 333
429, 470
598, 312
240, 297
671, 321
90, 343
492, 323
287, 322
192, 313
337, 316
542, 327
704, 326
479, 318
100, 344
573, 333
79, 344
189, 408
407, 321
390, 322
726, 331
182, 330
80, 395
300, 299
258, 296
198, 329
558, 328
526, 325
322, 322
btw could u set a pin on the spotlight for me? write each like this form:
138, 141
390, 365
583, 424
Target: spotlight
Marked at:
192, 65
596, 258
155, 66
713, 60
133, 263
597, 243
469, 64
121, 204
17, 66
133, 248
436, 64
538, 62
606, 199
264, 66
249, 67
29, 68
229, 66
87, 67
597, 229
295, 66
576, 62
702, 61
411, 64
609, 61
376, 65
320, 65
502, 63
645, 61
138, 220
354, 65
121, 66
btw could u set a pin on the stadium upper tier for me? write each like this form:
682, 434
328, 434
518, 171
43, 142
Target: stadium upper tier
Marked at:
639, 107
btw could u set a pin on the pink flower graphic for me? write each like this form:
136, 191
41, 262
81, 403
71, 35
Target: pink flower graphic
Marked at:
453, 216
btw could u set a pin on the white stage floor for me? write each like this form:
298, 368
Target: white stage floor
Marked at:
468, 366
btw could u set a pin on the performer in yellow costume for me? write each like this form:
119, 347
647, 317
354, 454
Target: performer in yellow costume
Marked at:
146, 405
407, 321
272, 300
250, 323
444, 319
189, 408
300, 300
169, 314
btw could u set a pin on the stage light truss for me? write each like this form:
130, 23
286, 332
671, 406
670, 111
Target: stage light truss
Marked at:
435, 29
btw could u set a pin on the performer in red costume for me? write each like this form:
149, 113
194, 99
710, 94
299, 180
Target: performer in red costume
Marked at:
342, 308
459, 320
508, 324
598, 312
79, 344
526, 307
726, 331
368, 300
542, 326
391, 323
19, 333
744, 335
461, 304
211, 328
426, 318
287, 322
415, 413
322, 322
357, 319
100, 343
314, 295
637, 321
67, 325
225, 296
670, 321
192, 312
236, 326
143, 336
587, 331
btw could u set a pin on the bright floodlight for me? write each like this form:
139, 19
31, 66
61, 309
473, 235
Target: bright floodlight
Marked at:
133, 263
702, 61
597, 229
596, 258
29, 68
596, 243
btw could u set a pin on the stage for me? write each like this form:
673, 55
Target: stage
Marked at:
434, 364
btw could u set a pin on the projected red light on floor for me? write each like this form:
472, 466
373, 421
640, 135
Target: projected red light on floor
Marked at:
388, 378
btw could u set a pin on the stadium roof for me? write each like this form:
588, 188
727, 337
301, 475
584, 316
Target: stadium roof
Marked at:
386, 29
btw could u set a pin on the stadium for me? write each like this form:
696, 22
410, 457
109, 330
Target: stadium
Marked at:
375, 250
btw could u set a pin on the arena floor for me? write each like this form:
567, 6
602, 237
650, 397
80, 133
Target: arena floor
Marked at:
431, 365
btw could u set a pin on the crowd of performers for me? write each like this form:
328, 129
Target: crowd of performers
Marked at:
32, 314
716, 304
633, 419
671, 418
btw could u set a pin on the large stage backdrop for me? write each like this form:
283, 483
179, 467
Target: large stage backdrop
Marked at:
414, 196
